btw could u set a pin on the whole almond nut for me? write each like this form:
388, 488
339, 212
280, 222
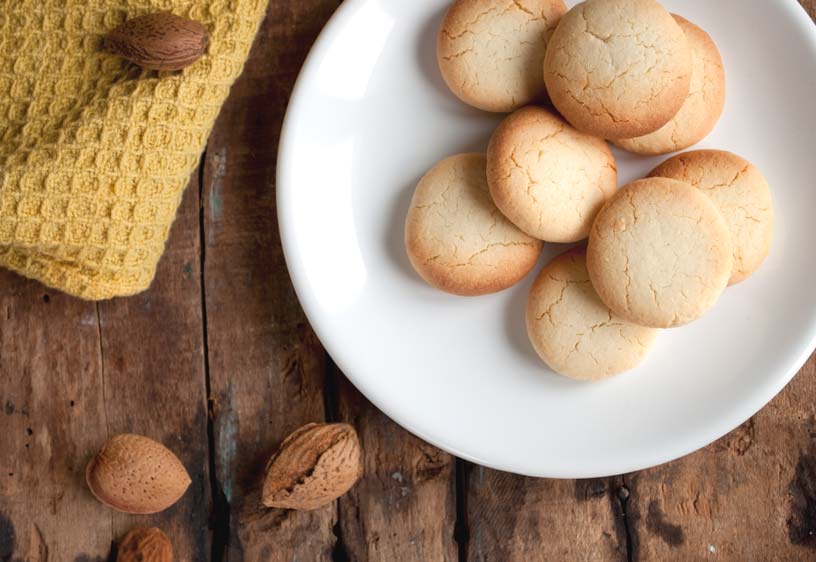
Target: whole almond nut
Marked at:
160, 41
145, 545
135, 474
315, 465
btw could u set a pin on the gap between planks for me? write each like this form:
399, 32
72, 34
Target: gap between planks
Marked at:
104, 406
221, 511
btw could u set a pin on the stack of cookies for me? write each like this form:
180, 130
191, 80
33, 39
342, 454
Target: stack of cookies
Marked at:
660, 250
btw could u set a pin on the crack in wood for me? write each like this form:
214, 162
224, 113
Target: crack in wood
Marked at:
102, 367
461, 529
38, 549
221, 509
624, 495
104, 395
339, 552
331, 409
331, 390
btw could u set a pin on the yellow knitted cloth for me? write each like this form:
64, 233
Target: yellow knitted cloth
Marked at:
94, 151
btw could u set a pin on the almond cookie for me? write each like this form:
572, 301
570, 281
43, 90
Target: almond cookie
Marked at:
740, 192
457, 240
573, 331
618, 68
490, 52
548, 178
659, 253
703, 106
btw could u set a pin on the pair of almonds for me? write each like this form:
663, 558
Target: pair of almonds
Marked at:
313, 466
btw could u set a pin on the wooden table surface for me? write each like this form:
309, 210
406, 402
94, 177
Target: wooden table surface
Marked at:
218, 362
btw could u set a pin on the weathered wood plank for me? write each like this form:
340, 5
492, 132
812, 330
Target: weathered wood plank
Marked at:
71, 374
404, 507
518, 519
266, 366
749, 496
53, 416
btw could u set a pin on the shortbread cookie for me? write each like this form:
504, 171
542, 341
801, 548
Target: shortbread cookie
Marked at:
703, 106
548, 178
573, 331
618, 68
490, 52
740, 192
659, 253
457, 239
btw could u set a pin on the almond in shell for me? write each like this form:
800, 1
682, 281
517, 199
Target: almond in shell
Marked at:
315, 465
159, 41
145, 545
135, 474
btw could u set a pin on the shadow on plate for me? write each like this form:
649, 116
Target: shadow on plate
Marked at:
429, 67
395, 237
426, 53
515, 324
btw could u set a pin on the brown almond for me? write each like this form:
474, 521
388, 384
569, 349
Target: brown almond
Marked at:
315, 465
135, 474
145, 545
160, 41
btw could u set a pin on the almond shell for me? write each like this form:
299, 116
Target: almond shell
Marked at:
135, 474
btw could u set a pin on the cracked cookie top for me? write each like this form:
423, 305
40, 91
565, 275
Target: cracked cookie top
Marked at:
618, 68
573, 331
490, 52
703, 106
456, 238
740, 192
547, 177
659, 253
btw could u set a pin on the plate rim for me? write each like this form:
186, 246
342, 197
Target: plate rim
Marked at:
740, 412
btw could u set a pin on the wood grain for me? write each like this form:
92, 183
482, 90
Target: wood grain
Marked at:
53, 415
266, 366
518, 519
404, 507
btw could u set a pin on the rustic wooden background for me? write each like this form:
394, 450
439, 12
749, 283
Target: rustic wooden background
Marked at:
218, 362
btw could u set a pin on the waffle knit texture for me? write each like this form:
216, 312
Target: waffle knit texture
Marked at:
95, 152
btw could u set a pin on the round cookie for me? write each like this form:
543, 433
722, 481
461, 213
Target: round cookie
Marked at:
618, 68
573, 331
456, 238
490, 52
548, 178
659, 253
703, 106
740, 192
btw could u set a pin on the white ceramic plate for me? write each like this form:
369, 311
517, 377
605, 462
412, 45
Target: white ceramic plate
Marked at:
370, 115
